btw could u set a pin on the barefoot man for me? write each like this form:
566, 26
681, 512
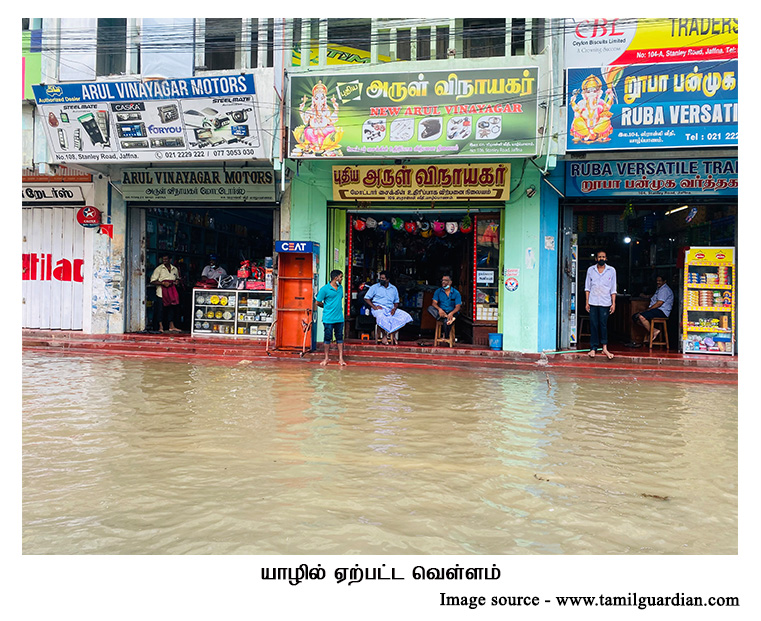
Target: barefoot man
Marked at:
600, 289
330, 298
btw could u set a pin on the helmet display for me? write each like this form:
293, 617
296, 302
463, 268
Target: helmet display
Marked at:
423, 225
451, 228
359, 224
384, 225
426, 233
439, 229
410, 227
397, 223
371, 223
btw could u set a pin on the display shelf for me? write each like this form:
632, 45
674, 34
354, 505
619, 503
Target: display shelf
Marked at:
226, 312
711, 304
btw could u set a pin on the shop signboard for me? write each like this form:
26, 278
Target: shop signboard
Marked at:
447, 182
189, 119
198, 184
684, 177
468, 112
652, 83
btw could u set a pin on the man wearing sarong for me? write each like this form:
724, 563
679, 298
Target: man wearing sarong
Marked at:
383, 300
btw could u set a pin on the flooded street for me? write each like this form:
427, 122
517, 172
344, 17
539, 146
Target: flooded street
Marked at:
141, 456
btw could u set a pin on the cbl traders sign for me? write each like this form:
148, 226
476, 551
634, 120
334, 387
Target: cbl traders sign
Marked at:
652, 83
455, 112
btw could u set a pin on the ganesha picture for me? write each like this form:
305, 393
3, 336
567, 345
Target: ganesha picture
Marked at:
318, 135
592, 113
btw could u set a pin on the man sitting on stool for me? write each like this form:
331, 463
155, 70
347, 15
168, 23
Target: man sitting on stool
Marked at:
660, 306
446, 304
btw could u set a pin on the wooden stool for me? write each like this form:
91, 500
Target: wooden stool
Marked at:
582, 322
380, 333
440, 339
663, 337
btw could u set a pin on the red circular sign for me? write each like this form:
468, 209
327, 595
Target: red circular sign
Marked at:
88, 216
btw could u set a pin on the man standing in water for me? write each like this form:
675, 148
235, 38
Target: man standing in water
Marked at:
330, 298
600, 289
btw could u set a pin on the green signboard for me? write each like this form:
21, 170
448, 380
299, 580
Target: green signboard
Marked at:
474, 113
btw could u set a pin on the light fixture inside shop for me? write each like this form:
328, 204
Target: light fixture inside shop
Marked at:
627, 240
682, 208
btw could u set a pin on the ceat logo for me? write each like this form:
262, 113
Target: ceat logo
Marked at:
88, 216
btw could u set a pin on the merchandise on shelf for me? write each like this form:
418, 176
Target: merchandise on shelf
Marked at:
232, 312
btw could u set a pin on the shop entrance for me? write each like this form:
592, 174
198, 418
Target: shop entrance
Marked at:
643, 239
417, 248
189, 235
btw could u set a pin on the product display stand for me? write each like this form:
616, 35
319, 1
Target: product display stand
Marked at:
230, 312
708, 315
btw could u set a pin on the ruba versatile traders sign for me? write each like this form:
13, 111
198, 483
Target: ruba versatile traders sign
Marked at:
191, 119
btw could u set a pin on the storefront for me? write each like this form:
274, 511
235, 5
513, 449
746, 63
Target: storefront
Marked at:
651, 163
193, 212
425, 173
56, 249
645, 214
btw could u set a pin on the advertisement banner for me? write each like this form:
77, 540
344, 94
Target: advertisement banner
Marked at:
607, 42
703, 177
482, 112
198, 184
450, 182
653, 106
191, 119
652, 83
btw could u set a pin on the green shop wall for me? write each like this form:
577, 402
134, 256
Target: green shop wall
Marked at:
525, 224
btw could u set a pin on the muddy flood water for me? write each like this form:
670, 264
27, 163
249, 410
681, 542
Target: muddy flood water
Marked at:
141, 456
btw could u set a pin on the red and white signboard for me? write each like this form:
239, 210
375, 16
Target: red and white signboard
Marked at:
88, 217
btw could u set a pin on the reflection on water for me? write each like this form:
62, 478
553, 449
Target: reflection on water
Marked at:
125, 456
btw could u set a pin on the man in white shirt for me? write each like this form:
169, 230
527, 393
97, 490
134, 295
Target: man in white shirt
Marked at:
383, 300
600, 290
660, 306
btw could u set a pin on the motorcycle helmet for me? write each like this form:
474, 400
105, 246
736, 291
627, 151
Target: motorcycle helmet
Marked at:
371, 223
426, 233
384, 225
359, 224
410, 227
451, 228
439, 229
397, 223
423, 225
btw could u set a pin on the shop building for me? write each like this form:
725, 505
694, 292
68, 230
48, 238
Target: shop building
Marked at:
436, 169
655, 175
172, 147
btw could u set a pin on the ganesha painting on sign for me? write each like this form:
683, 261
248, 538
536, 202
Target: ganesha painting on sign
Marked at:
318, 135
592, 115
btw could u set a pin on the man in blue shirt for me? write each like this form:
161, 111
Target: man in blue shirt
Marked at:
600, 290
383, 299
330, 298
660, 306
446, 304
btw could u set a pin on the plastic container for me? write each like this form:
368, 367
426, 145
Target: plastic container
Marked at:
495, 341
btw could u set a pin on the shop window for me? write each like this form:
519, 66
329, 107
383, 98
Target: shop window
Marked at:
486, 269
111, 55
442, 42
424, 44
482, 38
221, 44
403, 45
